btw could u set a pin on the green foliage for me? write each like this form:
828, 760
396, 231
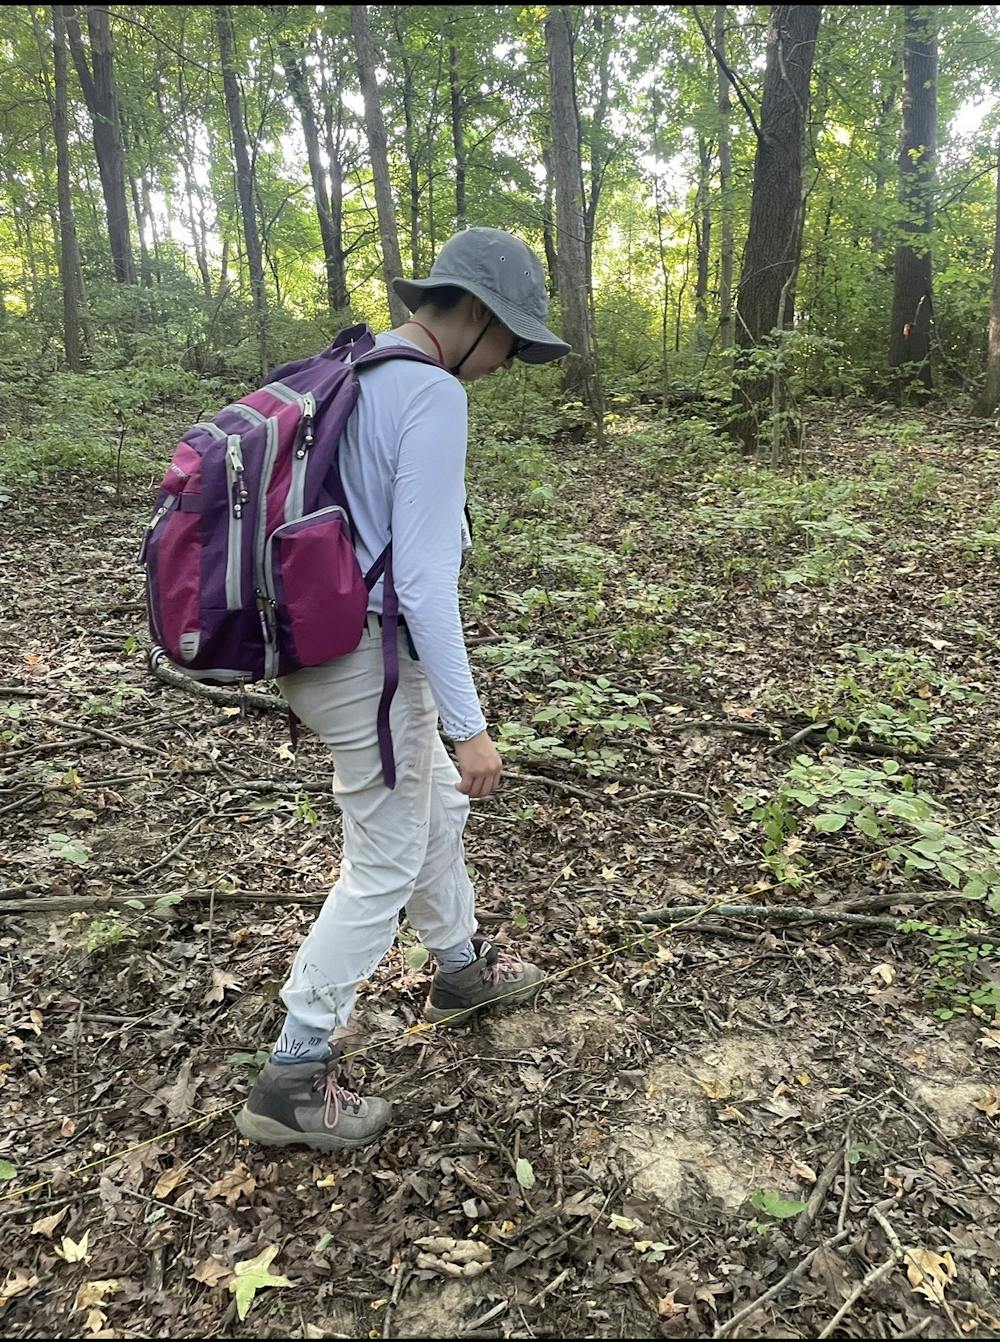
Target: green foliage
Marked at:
885, 696
906, 831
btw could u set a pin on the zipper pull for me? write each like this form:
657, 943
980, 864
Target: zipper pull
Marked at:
265, 625
240, 494
308, 415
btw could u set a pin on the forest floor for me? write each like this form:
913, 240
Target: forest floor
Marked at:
693, 1114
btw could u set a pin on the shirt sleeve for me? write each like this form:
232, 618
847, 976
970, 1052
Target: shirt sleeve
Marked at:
428, 502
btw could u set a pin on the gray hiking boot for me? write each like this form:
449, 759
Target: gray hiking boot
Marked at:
301, 1104
495, 978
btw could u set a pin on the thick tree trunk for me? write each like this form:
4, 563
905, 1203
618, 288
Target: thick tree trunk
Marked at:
726, 248
332, 256
457, 136
989, 398
101, 97
69, 256
766, 294
392, 266
245, 183
581, 375
333, 131
910, 337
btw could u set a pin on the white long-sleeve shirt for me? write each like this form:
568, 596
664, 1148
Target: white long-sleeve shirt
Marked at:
402, 461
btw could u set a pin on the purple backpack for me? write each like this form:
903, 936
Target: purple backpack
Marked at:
250, 564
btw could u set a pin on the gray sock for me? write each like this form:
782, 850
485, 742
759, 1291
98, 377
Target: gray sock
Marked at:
299, 1042
457, 958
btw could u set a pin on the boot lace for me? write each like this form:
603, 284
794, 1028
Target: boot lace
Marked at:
336, 1097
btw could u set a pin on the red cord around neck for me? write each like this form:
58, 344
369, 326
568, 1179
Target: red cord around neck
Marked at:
430, 334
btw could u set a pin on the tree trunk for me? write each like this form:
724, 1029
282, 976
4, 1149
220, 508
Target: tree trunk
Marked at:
581, 376
392, 266
703, 238
766, 294
333, 130
457, 136
68, 250
101, 97
910, 337
989, 398
409, 142
245, 183
331, 242
599, 154
548, 227
726, 248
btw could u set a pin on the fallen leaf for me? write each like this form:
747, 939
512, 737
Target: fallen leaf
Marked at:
524, 1173
75, 1251
169, 1180
328, 1181
623, 1223
180, 1096
930, 1273
233, 1185
221, 980
805, 1172
46, 1226
884, 972
668, 1308
252, 1276
92, 1293
716, 1088
732, 1115
210, 1271
16, 1284
989, 1103
67, 1127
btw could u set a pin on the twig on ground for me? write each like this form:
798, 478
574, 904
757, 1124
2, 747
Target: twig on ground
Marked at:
793, 1274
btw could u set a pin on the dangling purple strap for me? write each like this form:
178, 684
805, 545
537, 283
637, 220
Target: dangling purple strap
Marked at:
390, 658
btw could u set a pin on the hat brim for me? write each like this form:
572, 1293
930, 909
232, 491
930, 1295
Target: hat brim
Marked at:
543, 345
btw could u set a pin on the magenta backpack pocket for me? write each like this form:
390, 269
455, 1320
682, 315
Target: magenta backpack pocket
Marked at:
320, 596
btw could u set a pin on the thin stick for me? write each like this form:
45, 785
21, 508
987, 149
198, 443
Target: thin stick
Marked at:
870, 1279
793, 1274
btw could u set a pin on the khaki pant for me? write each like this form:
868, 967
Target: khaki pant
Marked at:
402, 848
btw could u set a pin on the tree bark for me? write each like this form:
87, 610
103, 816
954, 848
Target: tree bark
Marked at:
766, 294
548, 225
392, 265
245, 183
581, 375
409, 141
703, 238
457, 136
989, 398
332, 246
69, 255
910, 337
101, 96
726, 248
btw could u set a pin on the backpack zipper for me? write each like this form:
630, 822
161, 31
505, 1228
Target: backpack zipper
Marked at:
237, 498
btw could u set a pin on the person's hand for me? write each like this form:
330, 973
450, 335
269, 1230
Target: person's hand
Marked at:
479, 764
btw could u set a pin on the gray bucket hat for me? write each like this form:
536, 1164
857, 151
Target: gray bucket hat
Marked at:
506, 275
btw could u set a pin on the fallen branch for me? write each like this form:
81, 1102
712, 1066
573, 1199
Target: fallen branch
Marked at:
726, 1328
818, 1196
74, 903
103, 735
217, 694
792, 914
815, 736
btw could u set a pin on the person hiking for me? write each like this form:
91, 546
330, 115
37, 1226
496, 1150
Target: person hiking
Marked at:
402, 463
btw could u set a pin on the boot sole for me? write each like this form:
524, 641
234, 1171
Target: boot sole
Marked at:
452, 1017
269, 1132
